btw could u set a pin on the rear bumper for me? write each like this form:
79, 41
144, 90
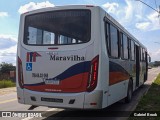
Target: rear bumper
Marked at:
82, 100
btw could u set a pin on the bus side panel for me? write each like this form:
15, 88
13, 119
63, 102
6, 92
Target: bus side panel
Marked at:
20, 95
104, 62
117, 92
142, 72
119, 75
133, 73
104, 74
20, 91
93, 99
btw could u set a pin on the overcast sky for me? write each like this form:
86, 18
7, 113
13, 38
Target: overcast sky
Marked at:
137, 18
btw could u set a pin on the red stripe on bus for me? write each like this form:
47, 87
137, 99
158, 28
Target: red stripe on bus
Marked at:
116, 77
27, 57
34, 56
71, 84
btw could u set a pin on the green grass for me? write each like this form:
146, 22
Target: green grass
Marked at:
7, 83
150, 101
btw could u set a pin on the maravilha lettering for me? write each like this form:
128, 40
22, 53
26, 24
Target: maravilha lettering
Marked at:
67, 58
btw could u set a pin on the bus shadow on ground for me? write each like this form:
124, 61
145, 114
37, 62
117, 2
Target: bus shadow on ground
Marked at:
118, 109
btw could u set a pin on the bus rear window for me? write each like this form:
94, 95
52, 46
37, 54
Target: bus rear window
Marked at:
58, 28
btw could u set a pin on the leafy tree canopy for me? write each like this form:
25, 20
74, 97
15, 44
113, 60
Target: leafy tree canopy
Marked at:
157, 63
6, 67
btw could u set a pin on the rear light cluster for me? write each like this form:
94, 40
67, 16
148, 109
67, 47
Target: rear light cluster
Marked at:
20, 73
93, 75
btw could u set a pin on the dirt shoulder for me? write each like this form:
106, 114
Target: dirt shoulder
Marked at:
7, 90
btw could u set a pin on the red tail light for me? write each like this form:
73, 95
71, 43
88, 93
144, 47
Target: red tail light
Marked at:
93, 76
20, 73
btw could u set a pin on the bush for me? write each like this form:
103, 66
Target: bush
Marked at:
7, 83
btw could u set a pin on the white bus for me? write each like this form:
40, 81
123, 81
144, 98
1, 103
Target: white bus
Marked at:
77, 56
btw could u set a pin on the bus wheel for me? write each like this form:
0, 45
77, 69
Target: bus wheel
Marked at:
129, 92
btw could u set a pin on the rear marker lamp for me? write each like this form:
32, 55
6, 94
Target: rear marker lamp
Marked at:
20, 73
93, 103
93, 75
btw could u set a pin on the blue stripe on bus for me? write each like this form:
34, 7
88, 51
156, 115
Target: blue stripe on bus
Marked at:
115, 67
73, 70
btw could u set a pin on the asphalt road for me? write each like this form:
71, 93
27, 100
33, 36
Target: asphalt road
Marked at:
8, 102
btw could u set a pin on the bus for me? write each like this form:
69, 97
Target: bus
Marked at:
77, 56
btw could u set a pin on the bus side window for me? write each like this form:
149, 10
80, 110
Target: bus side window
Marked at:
114, 41
144, 55
132, 50
124, 46
107, 38
141, 54
129, 48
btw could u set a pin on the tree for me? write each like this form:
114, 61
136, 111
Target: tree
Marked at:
6, 67
157, 63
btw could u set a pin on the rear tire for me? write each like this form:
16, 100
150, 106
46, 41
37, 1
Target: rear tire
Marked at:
129, 92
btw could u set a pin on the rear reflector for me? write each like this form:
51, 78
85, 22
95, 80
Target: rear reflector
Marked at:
93, 76
93, 103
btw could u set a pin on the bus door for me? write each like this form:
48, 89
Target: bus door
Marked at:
146, 61
137, 65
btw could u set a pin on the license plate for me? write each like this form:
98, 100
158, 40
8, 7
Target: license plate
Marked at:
52, 100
